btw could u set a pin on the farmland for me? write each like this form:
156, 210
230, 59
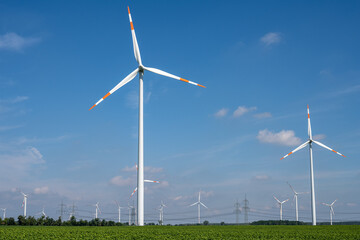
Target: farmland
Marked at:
181, 232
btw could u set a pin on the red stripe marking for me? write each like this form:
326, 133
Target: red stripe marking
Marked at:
184, 80
108, 94
92, 107
132, 26
128, 10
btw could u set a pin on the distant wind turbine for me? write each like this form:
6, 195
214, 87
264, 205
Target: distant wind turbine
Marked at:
331, 210
198, 203
296, 201
309, 142
161, 209
24, 204
97, 210
280, 204
42, 213
4, 213
119, 210
140, 69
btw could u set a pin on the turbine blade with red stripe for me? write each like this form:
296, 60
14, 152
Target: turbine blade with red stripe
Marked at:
296, 149
309, 125
151, 181
324, 146
135, 43
160, 72
127, 79
133, 192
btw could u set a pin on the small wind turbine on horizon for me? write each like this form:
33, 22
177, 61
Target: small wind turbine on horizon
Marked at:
309, 142
280, 204
198, 203
119, 210
331, 210
97, 210
24, 204
161, 209
296, 201
4, 213
42, 213
140, 69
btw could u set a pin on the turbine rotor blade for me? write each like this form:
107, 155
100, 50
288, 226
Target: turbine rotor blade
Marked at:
277, 199
324, 146
292, 188
127, 79
160, 72
194, 204
135, 43
309, 125
133, 192
333, 202
204, 205
295, 150
151, 181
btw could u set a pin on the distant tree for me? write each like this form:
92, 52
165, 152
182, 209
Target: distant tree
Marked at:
222, 223
11, 221
73, 221
21, 220
31, 221
206, 222
58, 222
40, 221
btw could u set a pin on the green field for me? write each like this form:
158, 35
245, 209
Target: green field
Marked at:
182, 232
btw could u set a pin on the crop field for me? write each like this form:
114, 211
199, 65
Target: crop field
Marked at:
181, 232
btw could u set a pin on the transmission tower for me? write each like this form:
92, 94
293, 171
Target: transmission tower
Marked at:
246, 210
62, 209
237, 210
72, 213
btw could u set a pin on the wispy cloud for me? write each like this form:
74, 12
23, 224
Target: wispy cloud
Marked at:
120, 181
148, 169
41, 190
241, 110
284, 137
263, 115
221, 113
262, 177
14, 100
14, 42
271, 38
349, 90
6, 128
319, 136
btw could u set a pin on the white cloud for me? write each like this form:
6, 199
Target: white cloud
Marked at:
120, 181
241, 110
41, 190
271, 38
263, 115
12, 41
319, 137
221, 113
351, 204
206, 194
14, 100
262, 177
284, 137
6, 128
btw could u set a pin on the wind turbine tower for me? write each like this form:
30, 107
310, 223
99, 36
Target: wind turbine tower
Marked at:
24, 202
161, 209
280, 204
331, 210
237, 210
296, 201
4, 213
246, 209
198, 203
140, 69
119, 211
97, 210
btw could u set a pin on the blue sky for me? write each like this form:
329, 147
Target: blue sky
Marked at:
262, 63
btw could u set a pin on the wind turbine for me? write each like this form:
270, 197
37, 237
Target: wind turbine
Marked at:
309, 142
198, 203
296, 201
24, 202
119, 210
331, 210
280, 204
161, 209
140, 69
4, 213
150, 181
42, 213
97, 210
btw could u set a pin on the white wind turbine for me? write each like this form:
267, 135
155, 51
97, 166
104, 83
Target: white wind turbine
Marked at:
97, 210
198, 203
140, 69
309, 142
280, 204
4, 213
161, 209
42, 213
119, 210
331, 210
296, 201
24, 204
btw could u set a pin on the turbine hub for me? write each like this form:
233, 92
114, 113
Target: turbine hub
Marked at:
141, 68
